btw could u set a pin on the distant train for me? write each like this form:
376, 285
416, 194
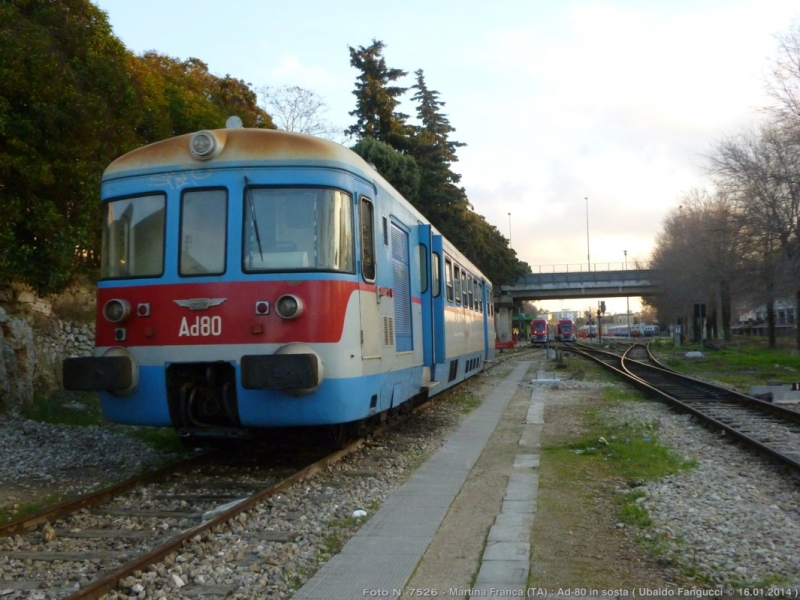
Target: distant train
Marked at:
565, 330
539, 331
637, 330
617, 330
256, 279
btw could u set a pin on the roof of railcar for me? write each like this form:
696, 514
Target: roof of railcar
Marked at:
238, 145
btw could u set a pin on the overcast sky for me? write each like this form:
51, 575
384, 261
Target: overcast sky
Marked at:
616, 101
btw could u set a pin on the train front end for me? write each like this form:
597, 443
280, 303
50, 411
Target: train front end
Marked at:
228, 297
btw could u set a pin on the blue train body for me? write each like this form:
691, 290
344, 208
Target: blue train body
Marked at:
257, 279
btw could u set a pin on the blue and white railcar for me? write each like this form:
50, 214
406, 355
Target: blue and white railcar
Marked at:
258, 279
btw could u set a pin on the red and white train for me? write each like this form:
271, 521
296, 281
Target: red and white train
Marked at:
539, 331
256, 279
565, 330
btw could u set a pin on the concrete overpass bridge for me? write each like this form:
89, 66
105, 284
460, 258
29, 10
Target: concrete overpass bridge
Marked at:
601, 280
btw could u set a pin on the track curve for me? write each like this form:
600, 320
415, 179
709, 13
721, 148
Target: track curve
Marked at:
770, 428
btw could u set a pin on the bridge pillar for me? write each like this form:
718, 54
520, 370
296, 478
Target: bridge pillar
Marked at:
502, 321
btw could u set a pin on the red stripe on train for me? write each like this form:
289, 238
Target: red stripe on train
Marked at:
231, 316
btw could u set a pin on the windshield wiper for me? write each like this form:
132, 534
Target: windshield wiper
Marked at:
249, 193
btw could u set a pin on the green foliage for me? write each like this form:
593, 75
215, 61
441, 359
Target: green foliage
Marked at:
376, 100
59, 67
82, 409
741, 368
466, 400
182, 96
72, 99
160, 438
398, 169
65, 408
10, 512
431, 186
631, 511
633, 451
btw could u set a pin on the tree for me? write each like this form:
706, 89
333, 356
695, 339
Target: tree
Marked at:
784, 85
72, 99
296, 109
183, 97
761, 173
699, 254
398, 169
417, 161
440, 196
66, 102
376, 100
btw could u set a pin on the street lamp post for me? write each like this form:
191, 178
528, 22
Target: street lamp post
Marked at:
627, 298
588, 259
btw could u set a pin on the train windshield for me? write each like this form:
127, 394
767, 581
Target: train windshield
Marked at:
297, 229
133, 237
539, 326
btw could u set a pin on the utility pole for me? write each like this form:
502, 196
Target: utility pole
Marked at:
627, 298
588, 258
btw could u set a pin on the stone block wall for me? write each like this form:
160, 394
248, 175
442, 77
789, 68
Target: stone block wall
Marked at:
37, 337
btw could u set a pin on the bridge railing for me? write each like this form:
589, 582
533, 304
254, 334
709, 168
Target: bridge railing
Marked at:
587, 268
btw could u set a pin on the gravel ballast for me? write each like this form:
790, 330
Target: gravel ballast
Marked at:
734, 519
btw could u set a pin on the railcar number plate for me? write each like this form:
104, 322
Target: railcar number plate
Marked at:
201, 327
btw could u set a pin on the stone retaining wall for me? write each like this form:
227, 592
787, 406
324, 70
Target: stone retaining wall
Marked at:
34, 341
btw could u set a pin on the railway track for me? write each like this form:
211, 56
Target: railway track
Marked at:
97, 540
769, 428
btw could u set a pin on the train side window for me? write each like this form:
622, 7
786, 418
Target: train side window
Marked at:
448, 279
464, 287
366, 214
478, 296
436, 280
470, 292
423, 268
457, 282
204, 221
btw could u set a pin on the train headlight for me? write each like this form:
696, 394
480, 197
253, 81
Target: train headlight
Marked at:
204, 145
289, 307
117, 311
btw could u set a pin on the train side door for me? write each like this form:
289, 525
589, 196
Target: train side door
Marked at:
426, 294
439, 303
401, 288
488, 341
369, 297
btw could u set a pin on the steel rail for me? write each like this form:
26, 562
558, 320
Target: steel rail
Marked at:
108, 582
64, 509
703, 398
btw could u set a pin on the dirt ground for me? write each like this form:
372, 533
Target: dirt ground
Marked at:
576, 541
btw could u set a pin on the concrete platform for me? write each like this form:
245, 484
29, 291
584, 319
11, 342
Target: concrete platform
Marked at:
380, 559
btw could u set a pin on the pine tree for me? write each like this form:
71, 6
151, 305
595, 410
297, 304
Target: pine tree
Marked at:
377, 100
441, 199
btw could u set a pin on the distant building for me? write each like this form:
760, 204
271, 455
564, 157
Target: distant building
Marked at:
566, 314
785, 314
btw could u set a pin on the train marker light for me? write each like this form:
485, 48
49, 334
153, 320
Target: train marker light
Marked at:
262, 307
